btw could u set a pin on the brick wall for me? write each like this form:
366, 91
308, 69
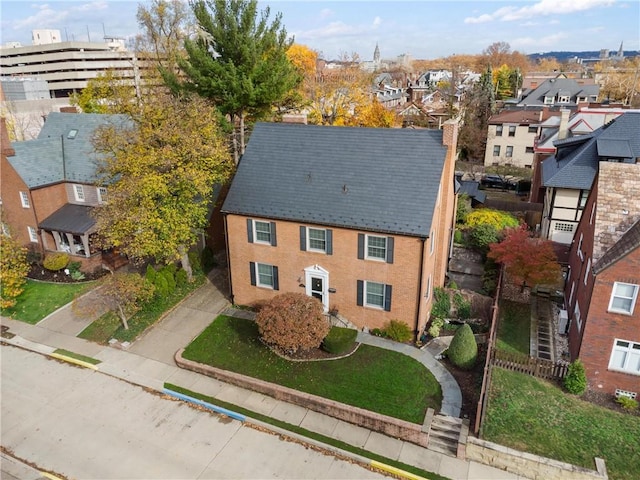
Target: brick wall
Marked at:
17, 217
603, 327
343, 266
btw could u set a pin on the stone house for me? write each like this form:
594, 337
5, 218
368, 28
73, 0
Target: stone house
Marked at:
360, 218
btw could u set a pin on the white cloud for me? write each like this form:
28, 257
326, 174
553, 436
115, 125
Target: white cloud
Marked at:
45, 15
326, 13
547, 42
542, 8
377, 22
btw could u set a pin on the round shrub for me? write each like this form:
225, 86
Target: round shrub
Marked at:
56, 261
339, 340
194, 260
292, 321
499, 220
576, 380
398, 331
463, 350
483, 235
181, 278
150, 274
168, 275
162, 287
436, 325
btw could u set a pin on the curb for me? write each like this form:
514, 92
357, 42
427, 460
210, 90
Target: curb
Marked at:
74, 361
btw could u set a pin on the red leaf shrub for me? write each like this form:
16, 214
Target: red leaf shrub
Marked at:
292, 322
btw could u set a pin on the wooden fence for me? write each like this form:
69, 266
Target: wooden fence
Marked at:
532, 366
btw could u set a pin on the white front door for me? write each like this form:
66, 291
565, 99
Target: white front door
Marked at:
317, 284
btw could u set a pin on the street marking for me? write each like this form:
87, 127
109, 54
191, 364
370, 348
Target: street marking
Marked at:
396, 471
209, 406
75, 361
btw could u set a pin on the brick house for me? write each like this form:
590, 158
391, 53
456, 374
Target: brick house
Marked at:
603, 281
360, 218
48, 187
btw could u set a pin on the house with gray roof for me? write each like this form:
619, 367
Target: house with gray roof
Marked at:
603, 278
49, 186
360, 218
568, 176
559, 92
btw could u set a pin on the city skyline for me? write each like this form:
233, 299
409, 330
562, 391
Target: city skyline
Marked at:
422, 29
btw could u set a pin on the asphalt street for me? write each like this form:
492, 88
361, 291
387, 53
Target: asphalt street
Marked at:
79, 423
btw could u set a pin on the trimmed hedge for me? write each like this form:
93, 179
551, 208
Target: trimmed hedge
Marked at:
463, 351
56, 261
339, 340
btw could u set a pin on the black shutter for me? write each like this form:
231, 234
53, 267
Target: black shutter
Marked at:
329, 242
387, 298
360, 298
250, 230
361, 246
303, 238
274, 241
252, 272
276, 283
389, 249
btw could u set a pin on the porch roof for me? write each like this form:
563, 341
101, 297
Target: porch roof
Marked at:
70, 218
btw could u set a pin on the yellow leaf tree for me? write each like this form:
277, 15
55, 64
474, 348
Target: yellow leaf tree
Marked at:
13, 270
161, 172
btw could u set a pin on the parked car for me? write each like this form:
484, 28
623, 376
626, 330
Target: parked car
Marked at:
496, 181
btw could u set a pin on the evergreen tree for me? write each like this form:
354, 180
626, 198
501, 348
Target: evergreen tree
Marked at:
478, 106
238, 60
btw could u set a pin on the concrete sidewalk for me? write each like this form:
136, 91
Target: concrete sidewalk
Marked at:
149, 362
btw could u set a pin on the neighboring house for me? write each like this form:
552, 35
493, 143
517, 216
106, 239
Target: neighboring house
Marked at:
568, 176
471, 188
559, 92
603, 282
360, 218
567, 125
511, 136
387, 91
48, 187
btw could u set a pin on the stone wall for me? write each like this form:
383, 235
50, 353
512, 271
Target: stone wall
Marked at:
528, 465
393, 427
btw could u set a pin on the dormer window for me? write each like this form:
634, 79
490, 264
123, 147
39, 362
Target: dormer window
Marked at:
548, 100
564, 99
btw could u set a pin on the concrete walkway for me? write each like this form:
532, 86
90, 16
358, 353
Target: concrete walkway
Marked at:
149, 363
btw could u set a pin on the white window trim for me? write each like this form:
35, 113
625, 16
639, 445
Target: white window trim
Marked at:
33, 234
587, 271
102, 197
580, 254
78, 192
627, 350
432, 246
366, 295
593, 211
24, 200
496, 150
428, 294
255, 232
309, 247
509, 151
573, 288
258, 282
366, 248
576, 315
613, 296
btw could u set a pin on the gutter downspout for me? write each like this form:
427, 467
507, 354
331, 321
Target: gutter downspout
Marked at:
420, 281
226, 236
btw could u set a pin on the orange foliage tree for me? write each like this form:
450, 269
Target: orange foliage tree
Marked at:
529, 261
292, 322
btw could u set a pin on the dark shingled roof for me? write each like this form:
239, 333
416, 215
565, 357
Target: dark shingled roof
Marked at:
472, 188
578, 169
627, 243
376, 179
39, 162
554, 86
69, 218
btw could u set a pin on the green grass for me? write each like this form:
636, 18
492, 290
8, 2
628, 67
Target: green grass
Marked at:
109, 325
306, 433
77, 356
375, 379
39, 299
538, 417
514, 327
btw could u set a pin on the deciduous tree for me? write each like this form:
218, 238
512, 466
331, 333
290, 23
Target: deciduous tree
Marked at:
527, 260
121, 293
161, 173
239, 61
477, 107
106, 94
13, 270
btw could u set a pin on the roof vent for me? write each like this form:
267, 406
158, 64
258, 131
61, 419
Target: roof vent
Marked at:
344, 188
72, 134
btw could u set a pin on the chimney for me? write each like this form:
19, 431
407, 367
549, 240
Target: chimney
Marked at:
450, 134
543, 114
295, 118
564, 123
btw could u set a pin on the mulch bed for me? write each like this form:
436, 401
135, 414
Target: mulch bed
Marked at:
38, 272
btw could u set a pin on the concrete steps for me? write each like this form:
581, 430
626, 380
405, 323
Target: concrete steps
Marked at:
445, 434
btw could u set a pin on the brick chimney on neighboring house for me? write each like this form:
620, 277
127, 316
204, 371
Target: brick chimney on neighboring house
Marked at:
295, 118
563, 130
617, 209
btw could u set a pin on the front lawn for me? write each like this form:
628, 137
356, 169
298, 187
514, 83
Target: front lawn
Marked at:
536, 416
39, 299
514, 327
109, 326
372, 378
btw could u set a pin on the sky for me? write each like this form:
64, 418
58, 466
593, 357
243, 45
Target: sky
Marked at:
423, 29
